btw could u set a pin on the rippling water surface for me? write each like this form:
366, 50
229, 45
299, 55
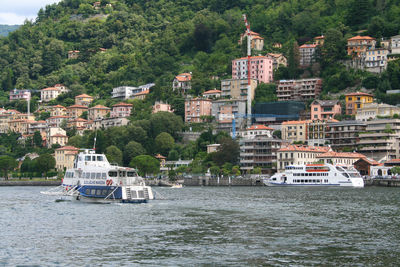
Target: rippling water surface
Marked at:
237, 226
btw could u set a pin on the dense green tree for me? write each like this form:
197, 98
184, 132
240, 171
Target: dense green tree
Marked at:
173, 155
133, 149
37, 139
228, 152
145, 164
44, 163
114, 155
7, 163
265, 92
334, 48
165, 122
164, 142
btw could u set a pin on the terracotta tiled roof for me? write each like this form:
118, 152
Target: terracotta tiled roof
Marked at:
59, 117
146, 92
99, 107
308, 46
122, 104
158, 156
295, 122
257, 37
78, 120
332, 154
184, 77
255, 57
259, 127
317, 149
319, 37
50, 89
392, 161
68, 148
370, 161
358, 93
58, 106
84, 95
358, 37
59, 135
214, 91
274, 55
77, 106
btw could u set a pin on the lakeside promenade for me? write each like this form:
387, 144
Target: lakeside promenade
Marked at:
196, 181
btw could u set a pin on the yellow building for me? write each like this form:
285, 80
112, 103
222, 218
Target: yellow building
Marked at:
357, 100
65, 157
294, 131
83, 100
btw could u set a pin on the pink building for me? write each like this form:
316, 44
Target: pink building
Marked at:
195, 108
20, 94
121, 110
261, 68
159, 106
325, 109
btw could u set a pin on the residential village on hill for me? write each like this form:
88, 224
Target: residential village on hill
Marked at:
299, 128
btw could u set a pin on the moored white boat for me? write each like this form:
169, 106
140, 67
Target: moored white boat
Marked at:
94, 179
317, 175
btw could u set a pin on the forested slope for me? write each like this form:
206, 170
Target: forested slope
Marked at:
152, 41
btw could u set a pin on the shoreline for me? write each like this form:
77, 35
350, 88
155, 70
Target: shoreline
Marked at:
196, 182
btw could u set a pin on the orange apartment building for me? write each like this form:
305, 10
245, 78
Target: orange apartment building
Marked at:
356, 101
195, 108
358, 45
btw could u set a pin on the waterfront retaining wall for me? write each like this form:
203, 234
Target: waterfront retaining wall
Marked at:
30, 183
225, 181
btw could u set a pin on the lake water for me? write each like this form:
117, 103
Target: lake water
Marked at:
235, 226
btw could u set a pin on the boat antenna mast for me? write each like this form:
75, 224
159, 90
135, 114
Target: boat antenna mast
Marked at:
248, 31
94, 143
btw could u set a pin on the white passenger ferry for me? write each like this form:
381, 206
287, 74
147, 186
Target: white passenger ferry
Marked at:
317, 175
94, 179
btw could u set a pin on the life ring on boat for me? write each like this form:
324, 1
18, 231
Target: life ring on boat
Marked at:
109, 182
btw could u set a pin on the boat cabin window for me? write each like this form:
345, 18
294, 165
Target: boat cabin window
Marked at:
87, 175
93, 175
99, 158
98, 175
122, 173
104, 175
112, 173
131, 174
88, 158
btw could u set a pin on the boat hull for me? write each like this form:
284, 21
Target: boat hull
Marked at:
354, 182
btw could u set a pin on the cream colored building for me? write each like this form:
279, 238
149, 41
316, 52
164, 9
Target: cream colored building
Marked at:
4, 119
56, 135
346, 158
237, 88
299, 155
75, 111
294, 131
98, 112
373, 110
57, 110
278, 60
65, 157
212, 148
